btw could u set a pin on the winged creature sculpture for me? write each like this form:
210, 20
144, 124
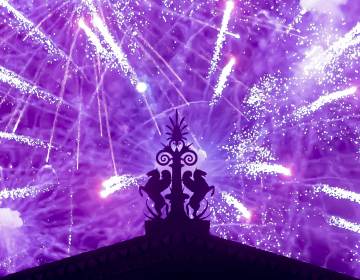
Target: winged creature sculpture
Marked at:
155, 186
199, 187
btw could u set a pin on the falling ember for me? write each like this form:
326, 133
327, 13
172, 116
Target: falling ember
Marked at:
338, 193
342, 223
222, 81
117, 183
229, 6
323, 100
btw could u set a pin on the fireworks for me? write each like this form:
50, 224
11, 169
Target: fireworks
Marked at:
229, 199
269, 93
25, 88
229, 6
338, 193
116, 183
323, 100
222, 81
342, 223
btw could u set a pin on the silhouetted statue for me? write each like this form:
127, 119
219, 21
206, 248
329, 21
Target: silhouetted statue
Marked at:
199, 187
155, 186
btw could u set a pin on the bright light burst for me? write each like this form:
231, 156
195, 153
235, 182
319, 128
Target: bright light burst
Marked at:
86, 89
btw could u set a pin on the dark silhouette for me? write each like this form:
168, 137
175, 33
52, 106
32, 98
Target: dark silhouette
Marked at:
154, 187
200, 188
177, 247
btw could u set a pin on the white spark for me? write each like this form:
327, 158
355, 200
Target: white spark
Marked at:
12, 79
222, 81
342, 223
32, 31
338, 193
21, 193
323, 100
24, 140
221, 36
241, 209
116, 183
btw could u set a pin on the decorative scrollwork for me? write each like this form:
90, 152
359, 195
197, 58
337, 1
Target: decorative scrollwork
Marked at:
163, 158
189, 158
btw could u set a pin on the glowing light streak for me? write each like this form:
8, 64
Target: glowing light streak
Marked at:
62, 90
317, 59
78, 137
240, 208
33, 31
222, 81
120, 56
338, 193
24, 140
342, 223
22, 193
93, 38
24, 87
116, 183
109, 135
323, 100
221, 36
254, 168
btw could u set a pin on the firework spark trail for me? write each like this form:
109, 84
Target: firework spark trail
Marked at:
323, 100
319, 60
240, 208
109, 135
338, 193
25, 88
22, 193
116, 183
93, 39
90, 4
117, 51
78, 136
342, 223
222, 81
62, 91
255, 168
33, 31
71, 218
221, 37
24, 140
